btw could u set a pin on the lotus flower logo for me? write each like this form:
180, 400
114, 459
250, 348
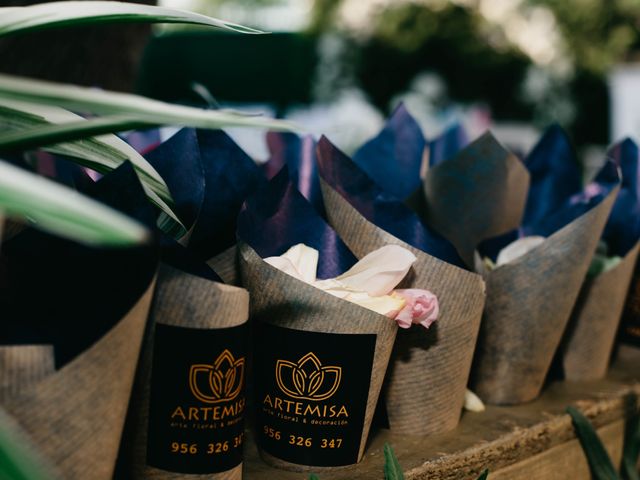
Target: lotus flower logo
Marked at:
221, 381
307, 379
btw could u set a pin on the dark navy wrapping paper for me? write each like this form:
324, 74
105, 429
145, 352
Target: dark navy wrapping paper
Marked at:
179, 164
380, 208
622, 231
143, 140
393, 159
555, 175
122, 190
278, 217
578, 204
299, 155
447, 145
230, 177
209, 176
556, 196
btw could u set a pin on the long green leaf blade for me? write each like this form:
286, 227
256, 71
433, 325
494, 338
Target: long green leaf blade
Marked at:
599, 462
138, 108
17, 462
61, 14
64, 212
484, 475
392, 469
103, 153
50, 134
313, 476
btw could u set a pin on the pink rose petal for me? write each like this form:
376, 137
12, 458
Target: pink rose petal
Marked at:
421, 307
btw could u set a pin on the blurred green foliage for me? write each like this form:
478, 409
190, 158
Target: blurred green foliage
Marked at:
598, 33
405, 39
474, 57
408, 39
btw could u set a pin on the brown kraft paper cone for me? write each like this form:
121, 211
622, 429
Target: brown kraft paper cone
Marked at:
75, 416
478, 194
429, 369
592, 329
186, 307
23, 365
285, 303
628, 340
529, 301
225, 264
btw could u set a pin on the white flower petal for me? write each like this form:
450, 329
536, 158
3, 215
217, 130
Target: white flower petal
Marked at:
305, 261
380, 271
472, 402
384, 304
365, 284
334, 287
285, 265
518, 248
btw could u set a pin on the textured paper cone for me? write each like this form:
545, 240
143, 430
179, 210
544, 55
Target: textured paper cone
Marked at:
478, 194
629, 333
528, 305
225, 264
284, 301
23, 365
180, 300
11, 429
592, 329
429, 369
75, 416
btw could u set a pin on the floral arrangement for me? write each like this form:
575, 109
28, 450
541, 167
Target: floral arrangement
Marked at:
307, 265
369, 283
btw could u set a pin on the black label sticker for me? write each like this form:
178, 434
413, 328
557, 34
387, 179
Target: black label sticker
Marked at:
311, 394
197, 403
630, 325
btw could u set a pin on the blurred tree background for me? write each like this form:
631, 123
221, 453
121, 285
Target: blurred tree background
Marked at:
527, 61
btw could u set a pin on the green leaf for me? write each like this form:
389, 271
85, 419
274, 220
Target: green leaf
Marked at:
599, 462
16, 461
392, 469
137, 108
64, 212
484, 475
64, 14
631, 450
313, 476
103, 153
37, 137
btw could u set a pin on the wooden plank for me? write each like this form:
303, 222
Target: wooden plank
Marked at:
566, 460
507, 440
